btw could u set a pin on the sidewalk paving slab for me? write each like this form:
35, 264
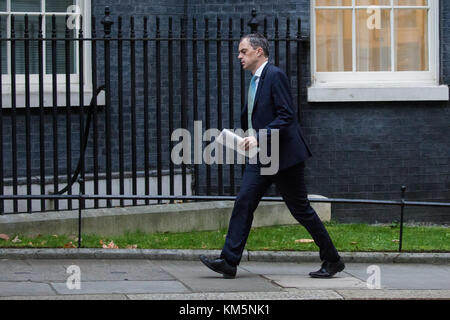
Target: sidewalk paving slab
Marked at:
93, 270
69, 297
394, 294
340, 281
25, 288
199, 278
278, 295
406, 276
119, 278
123, 287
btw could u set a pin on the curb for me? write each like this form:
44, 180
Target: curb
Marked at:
192, 255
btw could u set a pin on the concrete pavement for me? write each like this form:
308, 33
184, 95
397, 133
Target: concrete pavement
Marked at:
120, 277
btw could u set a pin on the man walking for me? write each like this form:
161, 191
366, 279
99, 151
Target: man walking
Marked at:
270, 107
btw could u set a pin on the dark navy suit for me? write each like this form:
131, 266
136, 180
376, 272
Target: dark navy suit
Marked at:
273, 109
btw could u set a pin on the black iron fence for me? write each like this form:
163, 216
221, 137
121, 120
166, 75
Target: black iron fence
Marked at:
102, 106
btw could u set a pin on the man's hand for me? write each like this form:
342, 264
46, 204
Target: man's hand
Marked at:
248, 143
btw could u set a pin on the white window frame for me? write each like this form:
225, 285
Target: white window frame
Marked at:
85, 6
379, 86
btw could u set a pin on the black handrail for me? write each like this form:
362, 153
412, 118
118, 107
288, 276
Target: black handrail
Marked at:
85, 141
82, 197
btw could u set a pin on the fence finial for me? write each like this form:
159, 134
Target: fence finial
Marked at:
253, 23
107, 22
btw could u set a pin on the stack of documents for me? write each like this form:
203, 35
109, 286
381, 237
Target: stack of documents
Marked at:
232, 141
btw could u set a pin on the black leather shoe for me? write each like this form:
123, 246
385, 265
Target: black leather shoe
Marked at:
328, 269
221, 266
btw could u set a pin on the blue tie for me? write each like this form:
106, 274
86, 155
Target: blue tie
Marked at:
251, 101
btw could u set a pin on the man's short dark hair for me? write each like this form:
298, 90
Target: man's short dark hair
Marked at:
257, 40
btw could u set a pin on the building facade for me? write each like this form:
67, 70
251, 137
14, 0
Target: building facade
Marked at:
369, 80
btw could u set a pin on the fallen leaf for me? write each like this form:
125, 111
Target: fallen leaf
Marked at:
110, 245
132, 246
304, 241
353, 242
69, 245
16, 240
4, 236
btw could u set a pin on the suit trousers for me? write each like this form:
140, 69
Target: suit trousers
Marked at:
290, 184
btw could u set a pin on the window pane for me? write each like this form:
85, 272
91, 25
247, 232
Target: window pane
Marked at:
2, 5
373, 2
26, 5
410, 2
57, 5
373, 40
334, 40
328, 3
33, 29
60, 47
411, 40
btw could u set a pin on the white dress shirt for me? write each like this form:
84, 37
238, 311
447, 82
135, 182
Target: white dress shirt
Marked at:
258, 74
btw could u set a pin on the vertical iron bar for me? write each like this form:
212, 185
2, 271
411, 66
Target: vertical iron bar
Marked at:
68, 114
219, 103
107, 23
207, 106
133, 109
288, 48
171, 110
120, 93
184, 105
41, 110
81, 102
27, 110
195, 93
265, 28
55, 113
277, 44
299, 66
14, 113
95, 107
80, 201
158, 108
231, 94
146, 110
402, 211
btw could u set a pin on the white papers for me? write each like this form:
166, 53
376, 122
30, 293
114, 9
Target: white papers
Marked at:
232, 141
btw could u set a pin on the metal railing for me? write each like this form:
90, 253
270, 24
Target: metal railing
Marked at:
402, 203
155, 75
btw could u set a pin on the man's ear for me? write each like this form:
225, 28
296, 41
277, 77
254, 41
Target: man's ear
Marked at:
260, 52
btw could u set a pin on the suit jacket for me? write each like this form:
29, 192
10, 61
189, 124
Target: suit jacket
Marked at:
273, 109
